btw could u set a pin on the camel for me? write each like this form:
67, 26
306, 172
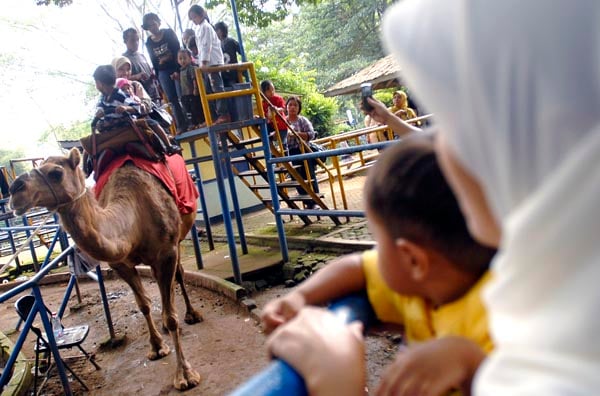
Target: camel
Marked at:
135, 220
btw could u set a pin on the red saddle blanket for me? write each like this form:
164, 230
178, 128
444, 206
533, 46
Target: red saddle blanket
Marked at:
175, 178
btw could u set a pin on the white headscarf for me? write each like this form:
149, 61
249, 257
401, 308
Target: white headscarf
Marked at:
515, 88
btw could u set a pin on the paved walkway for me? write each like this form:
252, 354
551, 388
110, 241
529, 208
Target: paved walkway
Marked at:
262, 223
261, 235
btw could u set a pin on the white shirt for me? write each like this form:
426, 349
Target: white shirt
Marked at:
208, 43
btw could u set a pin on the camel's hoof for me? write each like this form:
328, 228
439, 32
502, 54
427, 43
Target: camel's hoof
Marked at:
161, 353
192, 317
189, 379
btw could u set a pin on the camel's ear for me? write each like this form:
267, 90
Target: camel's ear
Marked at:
74, 157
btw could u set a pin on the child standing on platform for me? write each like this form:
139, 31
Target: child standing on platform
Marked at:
190, 98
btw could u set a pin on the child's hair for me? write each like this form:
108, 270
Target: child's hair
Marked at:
191, 44
407, 192
127, 33
185, 51
187, 34
297, 100
106, 74
222, 27
264, 85
149, 17
198, 10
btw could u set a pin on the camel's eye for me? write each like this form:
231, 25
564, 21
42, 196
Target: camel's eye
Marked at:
55, 175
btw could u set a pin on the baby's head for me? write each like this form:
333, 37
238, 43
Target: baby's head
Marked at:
184, 57
125, 85
415, 218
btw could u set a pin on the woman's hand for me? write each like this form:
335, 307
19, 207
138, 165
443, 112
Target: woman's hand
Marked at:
327, 353
380, 113
281, 310
433, 368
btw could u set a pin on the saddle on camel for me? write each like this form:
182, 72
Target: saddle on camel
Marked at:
138, 213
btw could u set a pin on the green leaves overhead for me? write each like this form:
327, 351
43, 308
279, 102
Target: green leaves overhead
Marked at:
261, 13
59, 3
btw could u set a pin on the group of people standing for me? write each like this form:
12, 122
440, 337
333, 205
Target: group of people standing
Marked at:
171, 71
281, 114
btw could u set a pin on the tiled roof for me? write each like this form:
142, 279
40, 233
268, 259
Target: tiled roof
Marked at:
382, 74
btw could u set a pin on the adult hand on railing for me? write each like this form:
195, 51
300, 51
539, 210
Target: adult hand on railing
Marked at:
281, 379
281, 310
326, 352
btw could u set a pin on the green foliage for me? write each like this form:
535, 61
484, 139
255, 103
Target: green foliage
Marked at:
261, 13
320, 111
73, 131
291, 77
341, 37
384, 96
7, 155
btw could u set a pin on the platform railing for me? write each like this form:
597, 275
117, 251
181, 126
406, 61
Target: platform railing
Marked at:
33, 285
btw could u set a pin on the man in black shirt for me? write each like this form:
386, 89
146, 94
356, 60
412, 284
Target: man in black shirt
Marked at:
230, 50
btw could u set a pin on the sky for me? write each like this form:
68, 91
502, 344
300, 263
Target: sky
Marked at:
47, 59
39, 44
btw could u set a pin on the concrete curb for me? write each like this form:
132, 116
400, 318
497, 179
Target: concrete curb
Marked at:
210, 282
301, 243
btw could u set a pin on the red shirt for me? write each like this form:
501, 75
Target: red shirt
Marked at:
277, 101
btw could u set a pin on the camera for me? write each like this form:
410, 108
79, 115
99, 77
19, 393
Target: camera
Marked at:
366, 91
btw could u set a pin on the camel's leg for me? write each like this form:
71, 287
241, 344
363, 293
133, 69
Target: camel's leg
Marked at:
191, 315
158, 348
164, 270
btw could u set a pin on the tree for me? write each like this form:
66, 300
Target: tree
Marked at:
59, 3
262, 13
7, 155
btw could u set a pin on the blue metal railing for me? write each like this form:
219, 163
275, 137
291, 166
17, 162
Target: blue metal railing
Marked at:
38, 307
280, 379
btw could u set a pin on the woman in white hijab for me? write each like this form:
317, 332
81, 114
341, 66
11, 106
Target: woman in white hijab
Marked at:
515, 88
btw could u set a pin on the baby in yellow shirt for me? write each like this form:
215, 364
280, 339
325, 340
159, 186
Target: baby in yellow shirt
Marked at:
426, 274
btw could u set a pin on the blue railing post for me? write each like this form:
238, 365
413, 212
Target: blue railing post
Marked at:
264, 135
233, 192
214, 147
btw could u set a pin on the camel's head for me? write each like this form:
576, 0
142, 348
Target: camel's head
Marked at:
57, 181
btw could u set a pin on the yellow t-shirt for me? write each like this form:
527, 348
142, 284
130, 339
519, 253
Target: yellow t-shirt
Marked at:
465, 317
408, 113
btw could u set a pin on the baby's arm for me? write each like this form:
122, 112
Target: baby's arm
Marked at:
338, 278
433, 368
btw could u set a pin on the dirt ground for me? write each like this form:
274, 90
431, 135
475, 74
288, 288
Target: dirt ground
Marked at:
226, 349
